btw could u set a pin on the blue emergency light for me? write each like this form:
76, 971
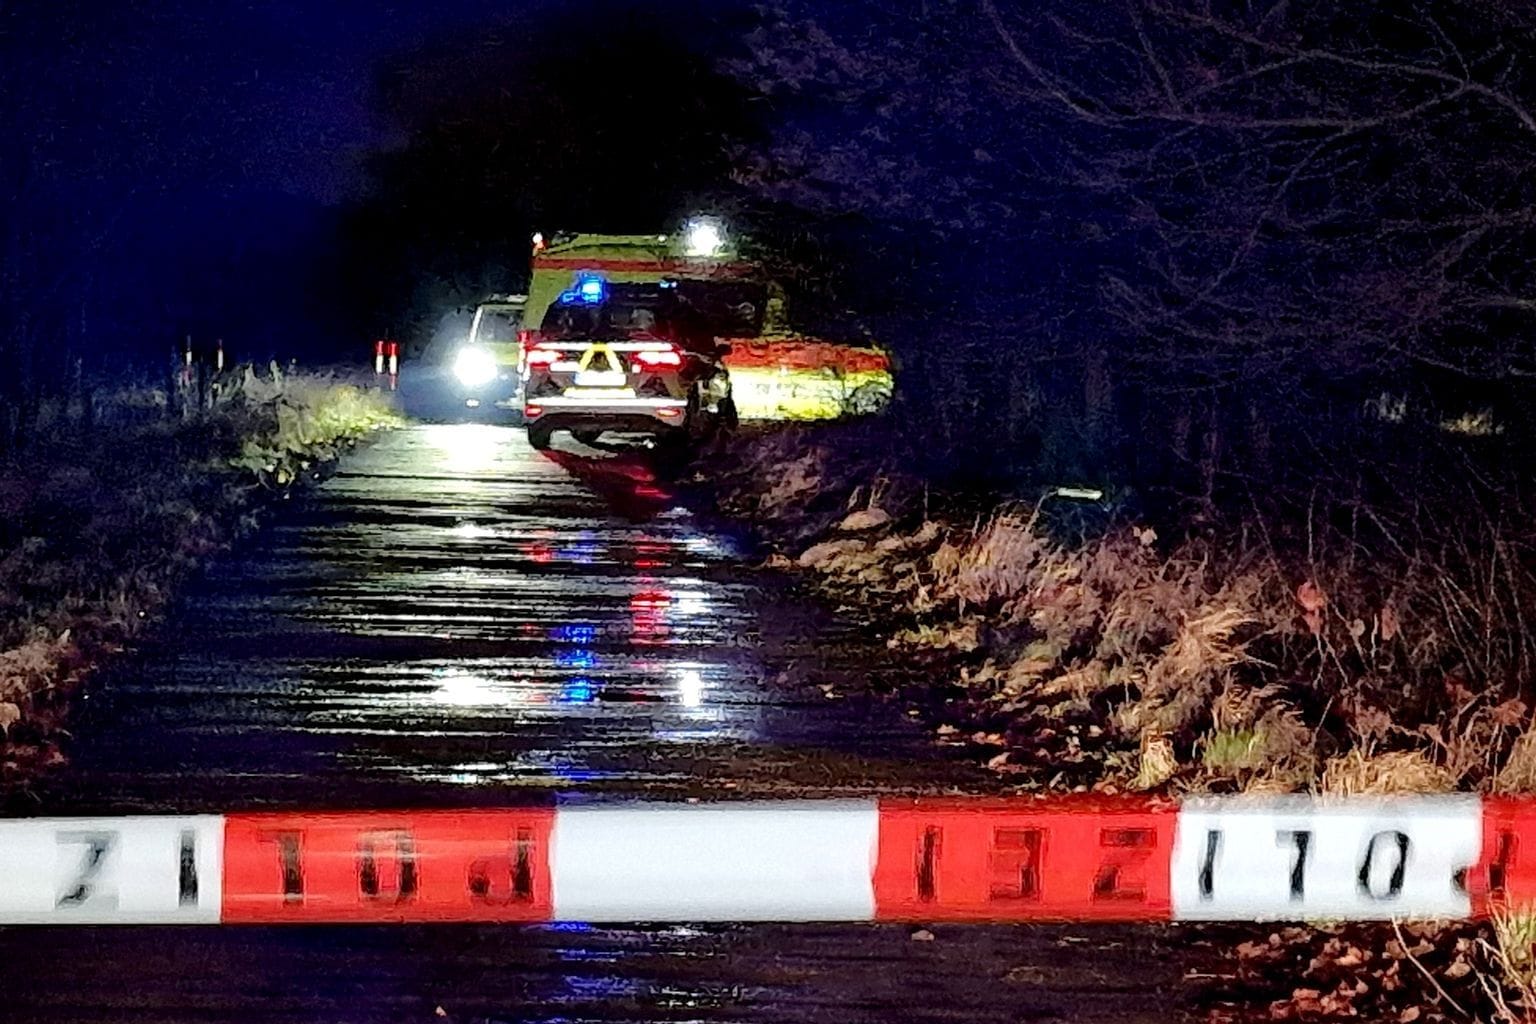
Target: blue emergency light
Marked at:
588, 289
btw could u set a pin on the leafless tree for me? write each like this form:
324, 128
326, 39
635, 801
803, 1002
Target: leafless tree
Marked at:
1256, 203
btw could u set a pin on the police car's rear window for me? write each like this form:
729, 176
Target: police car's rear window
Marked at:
688, 313
607, 320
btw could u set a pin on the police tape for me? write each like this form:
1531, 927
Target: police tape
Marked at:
1013, 859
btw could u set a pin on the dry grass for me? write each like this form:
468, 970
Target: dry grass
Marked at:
1178, 685
105, 521
964, 636
1153, 638
1004, 560
1357, 773
1158, 763
305, 418
32, 666
1518, 773
1227, 660
1512, 987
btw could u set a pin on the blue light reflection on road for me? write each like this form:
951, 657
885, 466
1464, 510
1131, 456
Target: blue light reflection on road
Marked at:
579, 657
580, 690
575, 658
573, 633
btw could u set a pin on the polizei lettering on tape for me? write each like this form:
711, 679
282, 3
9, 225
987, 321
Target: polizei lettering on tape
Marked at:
962, 859
111, 870
1296, 858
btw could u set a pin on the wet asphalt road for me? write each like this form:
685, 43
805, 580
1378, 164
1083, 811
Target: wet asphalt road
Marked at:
455, 620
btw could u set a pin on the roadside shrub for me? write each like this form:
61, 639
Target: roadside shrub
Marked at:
303, 419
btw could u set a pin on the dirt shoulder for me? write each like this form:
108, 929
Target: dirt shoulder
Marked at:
105, 514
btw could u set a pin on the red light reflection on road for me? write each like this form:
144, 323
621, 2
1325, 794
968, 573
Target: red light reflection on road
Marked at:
648, 612
625, 481
647, 555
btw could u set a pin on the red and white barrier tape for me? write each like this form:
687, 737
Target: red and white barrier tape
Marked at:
1025, 859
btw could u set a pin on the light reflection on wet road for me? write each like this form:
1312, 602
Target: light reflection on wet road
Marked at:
456, 620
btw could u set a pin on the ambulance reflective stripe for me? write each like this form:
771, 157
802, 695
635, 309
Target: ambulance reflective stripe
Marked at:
806, 861
804, 379
805, 394
1296, 858
111, 870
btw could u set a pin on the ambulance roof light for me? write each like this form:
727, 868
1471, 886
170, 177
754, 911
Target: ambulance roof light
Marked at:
703, 237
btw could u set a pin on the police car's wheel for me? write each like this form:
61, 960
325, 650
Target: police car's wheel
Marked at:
539, 435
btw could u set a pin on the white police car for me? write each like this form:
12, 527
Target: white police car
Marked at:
628, 358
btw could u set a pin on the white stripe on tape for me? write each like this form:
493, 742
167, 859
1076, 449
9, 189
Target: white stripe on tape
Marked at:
1297, 858
810, 861
111, 870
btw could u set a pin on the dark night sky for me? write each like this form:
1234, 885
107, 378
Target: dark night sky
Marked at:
260, 96
188, 159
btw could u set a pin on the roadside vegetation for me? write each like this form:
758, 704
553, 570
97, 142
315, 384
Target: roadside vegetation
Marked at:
116, 500
1076, 639
1084, 643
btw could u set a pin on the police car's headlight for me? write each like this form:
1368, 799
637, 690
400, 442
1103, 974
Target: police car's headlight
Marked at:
474, 367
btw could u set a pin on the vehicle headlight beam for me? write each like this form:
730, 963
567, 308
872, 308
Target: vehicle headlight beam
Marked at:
474, 367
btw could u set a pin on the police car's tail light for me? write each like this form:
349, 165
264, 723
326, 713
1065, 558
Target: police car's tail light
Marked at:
653, 358
543, 356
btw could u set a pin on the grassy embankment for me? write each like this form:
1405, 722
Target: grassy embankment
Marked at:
1113, 659
1072, 650
104, 514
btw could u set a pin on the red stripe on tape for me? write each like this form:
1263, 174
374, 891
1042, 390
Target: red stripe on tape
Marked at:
423, 866
1012, 860
1506, 871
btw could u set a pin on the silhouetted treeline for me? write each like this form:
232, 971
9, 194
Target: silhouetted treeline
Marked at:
1146, 243
616, 120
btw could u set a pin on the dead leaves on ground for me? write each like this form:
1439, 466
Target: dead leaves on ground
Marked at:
1357, 972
